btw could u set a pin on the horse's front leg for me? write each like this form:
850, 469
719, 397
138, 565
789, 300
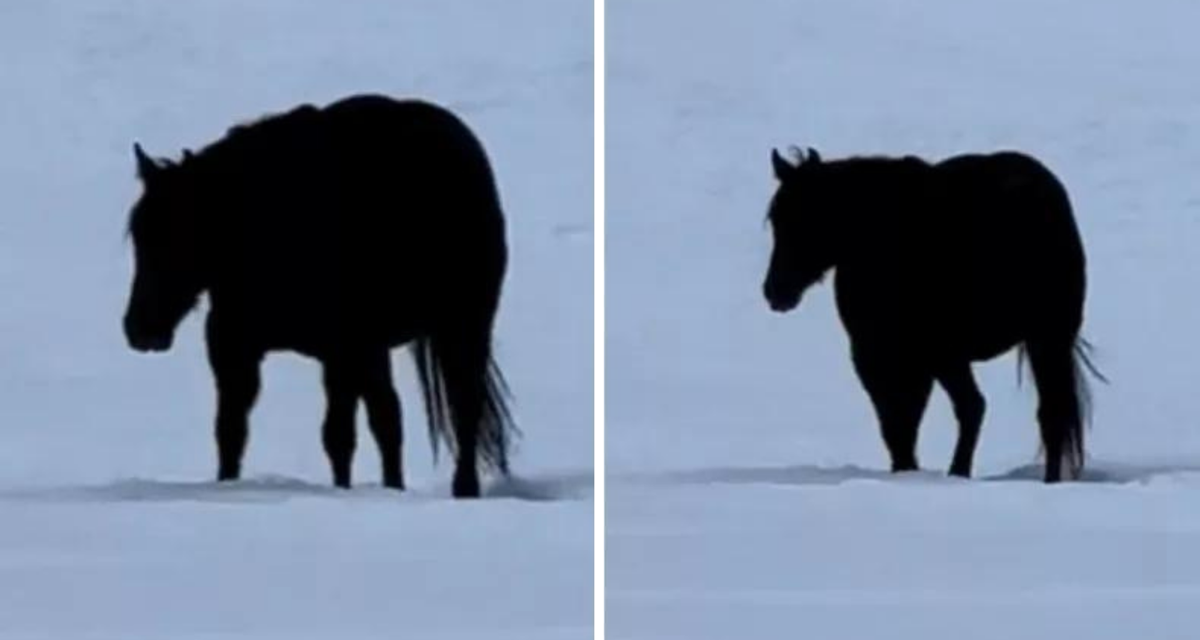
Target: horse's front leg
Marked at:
236, 372
969, 407
343, 388
899, 393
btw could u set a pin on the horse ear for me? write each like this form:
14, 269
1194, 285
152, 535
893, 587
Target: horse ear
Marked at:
782, 167
813, 156
146, 166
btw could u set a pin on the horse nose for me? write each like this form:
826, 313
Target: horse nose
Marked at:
149, 344
141, 340
777, 299
128, 328
770, 292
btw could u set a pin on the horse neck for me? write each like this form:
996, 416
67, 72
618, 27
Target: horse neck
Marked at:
210, 192
860, 185
871, 199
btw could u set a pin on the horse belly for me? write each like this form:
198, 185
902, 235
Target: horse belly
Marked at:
930, 320
982, 311
317, 311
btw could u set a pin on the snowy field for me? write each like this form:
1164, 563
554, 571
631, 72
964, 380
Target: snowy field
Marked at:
111, 526
747, 494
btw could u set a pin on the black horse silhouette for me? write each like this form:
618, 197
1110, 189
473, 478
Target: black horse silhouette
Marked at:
939, 265
338, 233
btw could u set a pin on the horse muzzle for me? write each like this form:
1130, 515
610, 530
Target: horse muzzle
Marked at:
144, 344
780, 301
146, 341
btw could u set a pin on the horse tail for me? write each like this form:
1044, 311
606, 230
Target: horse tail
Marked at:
466, 397
1084, 366
1066, 392
497, 426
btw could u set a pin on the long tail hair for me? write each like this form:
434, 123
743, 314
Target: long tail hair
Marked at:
1082, 367
495, 427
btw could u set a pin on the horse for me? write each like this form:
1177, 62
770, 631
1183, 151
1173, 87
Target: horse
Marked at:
338, 233
938, 265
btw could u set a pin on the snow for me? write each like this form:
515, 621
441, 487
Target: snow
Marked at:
112, 525
747, 491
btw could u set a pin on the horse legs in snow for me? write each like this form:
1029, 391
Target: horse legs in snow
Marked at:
383, 414
342, 391
969, 407
238, 381
899, 396
1059, 411
466, 361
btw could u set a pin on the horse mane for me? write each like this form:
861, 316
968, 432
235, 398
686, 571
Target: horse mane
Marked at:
854, 167
249, 134
854, 162
239, 140
877, 161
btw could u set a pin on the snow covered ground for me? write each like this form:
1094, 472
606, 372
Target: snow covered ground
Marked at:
111, 528
746, 495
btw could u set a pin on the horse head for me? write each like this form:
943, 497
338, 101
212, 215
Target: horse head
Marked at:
802, 229
168, 273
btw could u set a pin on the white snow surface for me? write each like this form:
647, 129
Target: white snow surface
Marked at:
748, 494
112, 526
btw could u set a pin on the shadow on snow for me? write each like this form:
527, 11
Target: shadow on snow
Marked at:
278, 489
816, 475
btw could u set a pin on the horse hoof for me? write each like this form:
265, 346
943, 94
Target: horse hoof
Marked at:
466, 488
394, 483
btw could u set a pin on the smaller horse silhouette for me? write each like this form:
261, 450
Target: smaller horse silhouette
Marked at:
337, 233
939, 265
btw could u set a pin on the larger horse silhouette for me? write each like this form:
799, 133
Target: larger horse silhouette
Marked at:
339, 233
939, 265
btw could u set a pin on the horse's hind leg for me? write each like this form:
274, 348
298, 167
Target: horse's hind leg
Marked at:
465, 365
899, 395
383, 414
1059, 410
342, 381
969, 407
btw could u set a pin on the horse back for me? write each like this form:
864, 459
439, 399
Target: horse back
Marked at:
1013, 254
1004, 204
367, 217
979, 252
